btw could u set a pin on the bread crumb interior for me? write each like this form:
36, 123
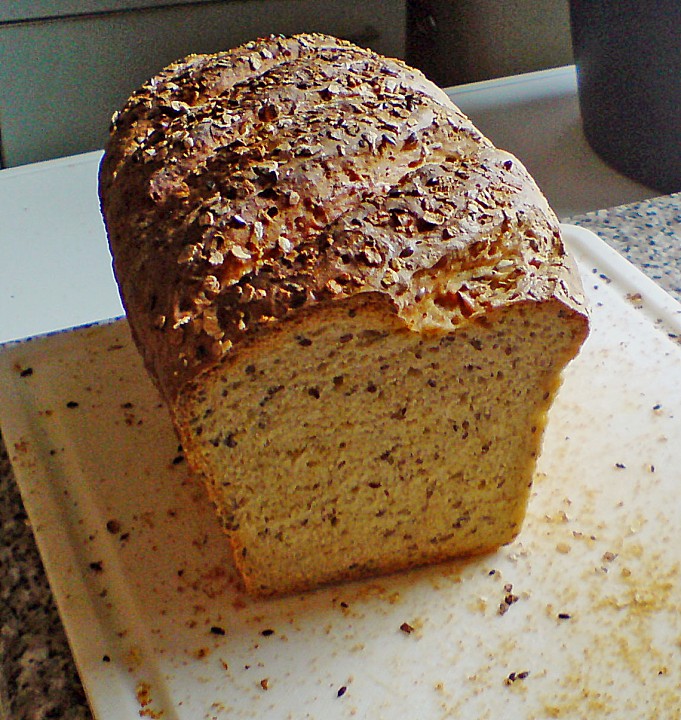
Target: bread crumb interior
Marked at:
359, 446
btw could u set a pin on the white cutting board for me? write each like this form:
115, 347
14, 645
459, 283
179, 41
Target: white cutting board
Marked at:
142, 576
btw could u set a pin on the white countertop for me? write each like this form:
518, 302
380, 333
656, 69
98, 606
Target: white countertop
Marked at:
55, 269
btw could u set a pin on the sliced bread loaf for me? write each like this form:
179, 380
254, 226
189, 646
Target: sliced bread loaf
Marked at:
356, 308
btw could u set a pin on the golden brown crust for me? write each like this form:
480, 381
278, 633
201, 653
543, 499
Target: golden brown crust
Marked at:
238, 187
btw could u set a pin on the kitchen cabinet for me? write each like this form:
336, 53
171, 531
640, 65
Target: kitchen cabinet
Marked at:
66, 66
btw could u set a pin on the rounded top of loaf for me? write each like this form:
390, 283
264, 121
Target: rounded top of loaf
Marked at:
241, 187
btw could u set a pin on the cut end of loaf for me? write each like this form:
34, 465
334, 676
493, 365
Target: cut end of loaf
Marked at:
344, 444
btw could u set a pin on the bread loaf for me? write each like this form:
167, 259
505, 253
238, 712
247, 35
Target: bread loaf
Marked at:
356, 308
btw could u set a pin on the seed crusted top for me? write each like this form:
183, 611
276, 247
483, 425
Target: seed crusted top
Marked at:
239, 187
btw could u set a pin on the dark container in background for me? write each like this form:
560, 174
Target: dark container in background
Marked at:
628, 57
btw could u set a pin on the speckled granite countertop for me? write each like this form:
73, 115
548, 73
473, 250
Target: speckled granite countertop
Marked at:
647, 233
38, 678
